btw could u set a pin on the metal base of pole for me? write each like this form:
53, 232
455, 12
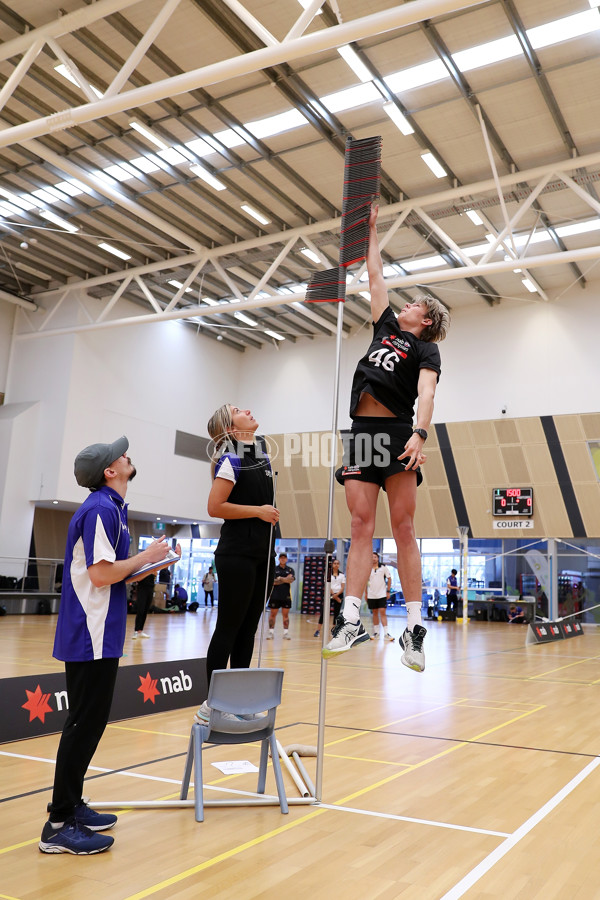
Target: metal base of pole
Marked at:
253, 800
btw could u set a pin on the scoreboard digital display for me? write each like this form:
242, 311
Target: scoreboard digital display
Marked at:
512, 502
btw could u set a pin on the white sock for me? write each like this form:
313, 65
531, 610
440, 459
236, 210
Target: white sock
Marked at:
413, 615
57, 825
351, 609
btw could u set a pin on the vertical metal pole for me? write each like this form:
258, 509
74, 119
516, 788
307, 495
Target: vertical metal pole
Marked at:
270, 562
463, 531
328, 553
553, 569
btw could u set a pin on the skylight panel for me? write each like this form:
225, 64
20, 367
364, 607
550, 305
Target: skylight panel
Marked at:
172, 156
118, 173
428, 262
229, 138
352, 97
72, 188
45, 196
16, 200
144, 164
272, 125
417, 76
199, 147
10, 210
564, 29
486, 54
578, 227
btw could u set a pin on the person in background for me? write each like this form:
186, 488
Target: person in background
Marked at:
242, 494
180, 597
452, 591
281, 597
143, 600
338, 580
208, 584
90, 634
379, 587
516, 614
385, 449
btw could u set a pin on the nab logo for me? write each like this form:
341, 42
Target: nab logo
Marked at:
38, 705
170, 685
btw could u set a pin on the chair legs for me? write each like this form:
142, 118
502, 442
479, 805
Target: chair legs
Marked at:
262, 771
187, 772
197, 738
278, 776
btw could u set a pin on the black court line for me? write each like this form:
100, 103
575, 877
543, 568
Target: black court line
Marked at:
433, 737
148, 762
563, 477
460, 507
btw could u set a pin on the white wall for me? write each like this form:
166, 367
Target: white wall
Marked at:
535, 358
7, 316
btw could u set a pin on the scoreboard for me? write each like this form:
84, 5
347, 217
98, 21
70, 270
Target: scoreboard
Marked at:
512, 501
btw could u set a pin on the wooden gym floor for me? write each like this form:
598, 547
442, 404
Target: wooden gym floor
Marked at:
477, 779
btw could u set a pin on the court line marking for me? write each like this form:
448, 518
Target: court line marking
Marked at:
379, 762
380, 815
496, 855
578, 662
6, 897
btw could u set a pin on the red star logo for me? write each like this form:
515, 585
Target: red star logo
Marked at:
148, 687
37, 704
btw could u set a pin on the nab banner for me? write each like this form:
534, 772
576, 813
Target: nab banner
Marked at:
38, 704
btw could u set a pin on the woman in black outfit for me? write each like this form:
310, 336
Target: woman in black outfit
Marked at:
242, 495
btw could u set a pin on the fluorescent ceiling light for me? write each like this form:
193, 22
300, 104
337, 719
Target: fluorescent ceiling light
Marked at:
243, 318
148, 134
210, 301
62, 223
178, 284
310, 254
62, 70
208, 177
529, 285
399, 120
273, 334
110, 249
351, 58
430, 160
255, 214
475, 217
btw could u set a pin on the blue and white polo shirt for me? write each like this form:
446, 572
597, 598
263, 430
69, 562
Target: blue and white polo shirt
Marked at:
91, 620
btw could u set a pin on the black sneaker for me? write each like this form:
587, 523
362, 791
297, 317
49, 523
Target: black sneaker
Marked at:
345, 635
73, 838
412, 644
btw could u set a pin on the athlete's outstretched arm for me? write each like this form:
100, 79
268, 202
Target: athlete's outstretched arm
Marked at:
379, 295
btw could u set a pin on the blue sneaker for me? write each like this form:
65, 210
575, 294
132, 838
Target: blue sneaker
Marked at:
73, 838
93, 820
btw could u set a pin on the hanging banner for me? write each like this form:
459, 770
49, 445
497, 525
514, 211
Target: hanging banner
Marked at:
538, 564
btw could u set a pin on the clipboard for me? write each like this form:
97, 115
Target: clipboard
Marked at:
149, 568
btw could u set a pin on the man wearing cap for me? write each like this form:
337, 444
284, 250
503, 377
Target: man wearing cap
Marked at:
90, 634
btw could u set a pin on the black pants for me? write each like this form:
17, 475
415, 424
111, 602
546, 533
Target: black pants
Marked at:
90, 687
241, 602
336, 606
144, 597
208, 594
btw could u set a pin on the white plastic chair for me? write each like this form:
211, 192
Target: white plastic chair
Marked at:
238, 693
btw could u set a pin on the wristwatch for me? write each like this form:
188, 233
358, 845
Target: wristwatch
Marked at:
421, 432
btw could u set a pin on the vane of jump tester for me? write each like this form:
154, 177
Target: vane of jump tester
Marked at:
362, 175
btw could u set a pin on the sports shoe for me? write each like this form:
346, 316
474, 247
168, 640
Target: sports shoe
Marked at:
345, 634
93, 820
270, 634
374, 636
287, 636
317, 633
202, 715
412, 644
72, 837
388, 636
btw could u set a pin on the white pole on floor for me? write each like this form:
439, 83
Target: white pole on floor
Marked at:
329, 548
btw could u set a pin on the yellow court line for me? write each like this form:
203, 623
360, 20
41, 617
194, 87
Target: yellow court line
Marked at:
578, 662
147, 731
6, 897
357, 734
181, 876
18, 846
380, 762
439, 755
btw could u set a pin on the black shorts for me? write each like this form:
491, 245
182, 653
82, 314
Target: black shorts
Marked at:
372, 448
286, 603
377, 603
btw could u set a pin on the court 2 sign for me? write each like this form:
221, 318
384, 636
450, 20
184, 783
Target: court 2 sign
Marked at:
513, 524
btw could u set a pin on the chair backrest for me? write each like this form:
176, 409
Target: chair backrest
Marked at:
245, 691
